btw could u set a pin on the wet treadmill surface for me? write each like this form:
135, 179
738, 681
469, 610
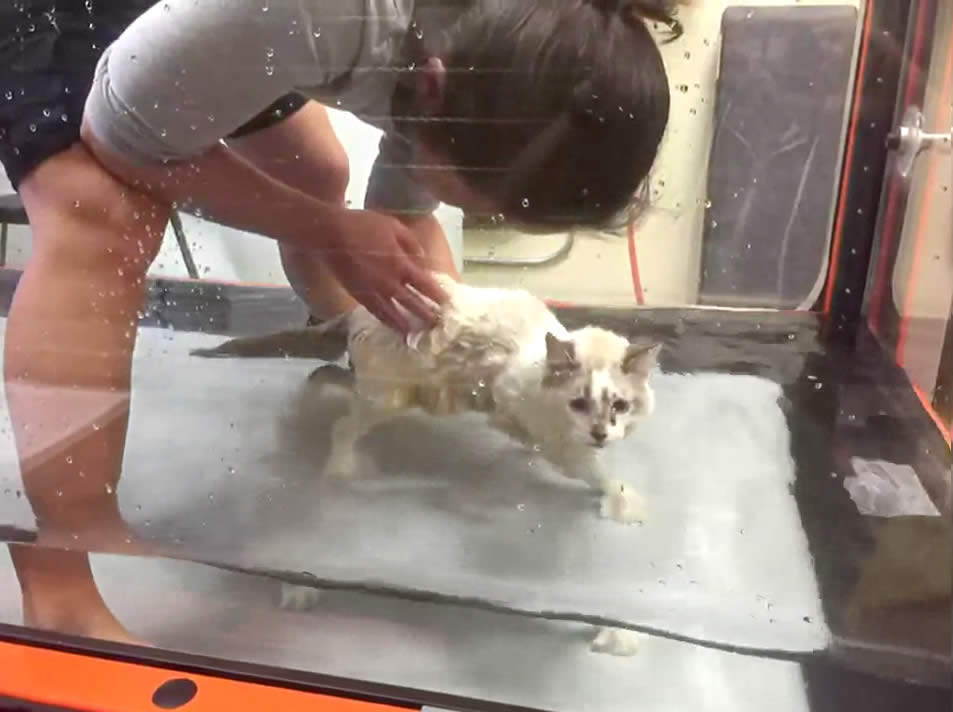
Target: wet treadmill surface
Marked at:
882, 595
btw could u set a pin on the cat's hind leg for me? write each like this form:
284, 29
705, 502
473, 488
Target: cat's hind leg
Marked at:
363, 416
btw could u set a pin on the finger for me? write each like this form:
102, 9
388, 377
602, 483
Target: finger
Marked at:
416, 305
387, 313
426, 284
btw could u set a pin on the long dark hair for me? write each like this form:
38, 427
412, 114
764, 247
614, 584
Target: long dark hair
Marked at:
554, 109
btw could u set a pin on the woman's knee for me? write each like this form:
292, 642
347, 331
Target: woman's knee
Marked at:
79, 212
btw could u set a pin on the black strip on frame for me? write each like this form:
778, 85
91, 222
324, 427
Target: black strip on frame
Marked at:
878, 97
8, 704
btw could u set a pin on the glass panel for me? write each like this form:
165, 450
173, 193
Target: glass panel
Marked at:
921, 287
522, 491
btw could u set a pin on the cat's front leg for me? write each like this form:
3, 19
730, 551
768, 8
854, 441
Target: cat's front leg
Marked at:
620, 502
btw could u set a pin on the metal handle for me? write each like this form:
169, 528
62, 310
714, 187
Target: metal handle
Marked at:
554, 256
910, 140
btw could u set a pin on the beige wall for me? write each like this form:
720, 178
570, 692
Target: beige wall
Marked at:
669, 236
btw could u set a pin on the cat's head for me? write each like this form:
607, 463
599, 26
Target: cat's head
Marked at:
601, 383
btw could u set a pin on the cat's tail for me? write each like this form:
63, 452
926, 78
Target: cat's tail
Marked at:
326, 342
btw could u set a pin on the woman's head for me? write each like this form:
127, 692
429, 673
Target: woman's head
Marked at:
551, 110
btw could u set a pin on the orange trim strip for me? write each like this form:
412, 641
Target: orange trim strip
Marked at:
929, 193
98, 685
634, 266
848, 161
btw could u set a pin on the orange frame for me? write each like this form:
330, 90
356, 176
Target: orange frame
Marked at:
92, 684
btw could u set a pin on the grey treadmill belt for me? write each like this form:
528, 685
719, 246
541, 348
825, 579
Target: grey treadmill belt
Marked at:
223, 465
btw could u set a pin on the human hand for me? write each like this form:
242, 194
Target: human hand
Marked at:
379, 261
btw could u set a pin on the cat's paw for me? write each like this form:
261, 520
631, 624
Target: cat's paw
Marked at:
342, 467
298, 598
621, 503
350, 466
617, 642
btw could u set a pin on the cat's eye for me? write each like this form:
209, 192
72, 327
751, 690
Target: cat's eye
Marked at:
620, 406
580, 405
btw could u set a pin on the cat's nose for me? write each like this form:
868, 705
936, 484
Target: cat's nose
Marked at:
599, 433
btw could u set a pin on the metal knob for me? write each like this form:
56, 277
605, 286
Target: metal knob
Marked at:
910, 140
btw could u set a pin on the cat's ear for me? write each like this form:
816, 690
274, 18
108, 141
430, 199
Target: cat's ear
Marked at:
560, 361
640, 359
559, 353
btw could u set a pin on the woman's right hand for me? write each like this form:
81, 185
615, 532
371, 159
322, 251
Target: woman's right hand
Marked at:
380, 262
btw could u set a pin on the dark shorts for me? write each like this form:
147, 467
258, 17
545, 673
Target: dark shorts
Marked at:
48, 52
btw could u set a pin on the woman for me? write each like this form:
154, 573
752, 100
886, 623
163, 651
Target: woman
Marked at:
547, 111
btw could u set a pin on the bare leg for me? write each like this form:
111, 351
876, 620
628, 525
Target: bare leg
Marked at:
304, 152
67, 367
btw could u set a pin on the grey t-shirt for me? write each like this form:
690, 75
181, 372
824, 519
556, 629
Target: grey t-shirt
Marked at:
187, 73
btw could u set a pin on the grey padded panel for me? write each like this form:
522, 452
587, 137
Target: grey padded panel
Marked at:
773, 173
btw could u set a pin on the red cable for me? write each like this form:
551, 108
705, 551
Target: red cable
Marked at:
634, 266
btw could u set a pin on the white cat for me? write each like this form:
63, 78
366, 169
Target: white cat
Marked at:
565, 393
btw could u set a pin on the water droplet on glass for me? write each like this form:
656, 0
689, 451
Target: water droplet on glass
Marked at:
521, 507
231, 470
525, 202
32, 128
316, 32
46, 113
269, 70
69, 459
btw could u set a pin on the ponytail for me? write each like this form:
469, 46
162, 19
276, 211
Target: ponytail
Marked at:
640, 11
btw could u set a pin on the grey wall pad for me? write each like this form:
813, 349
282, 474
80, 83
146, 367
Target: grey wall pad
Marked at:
780, 99
223, 463
505, 659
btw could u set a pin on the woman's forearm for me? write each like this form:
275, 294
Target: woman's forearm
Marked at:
222, 186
